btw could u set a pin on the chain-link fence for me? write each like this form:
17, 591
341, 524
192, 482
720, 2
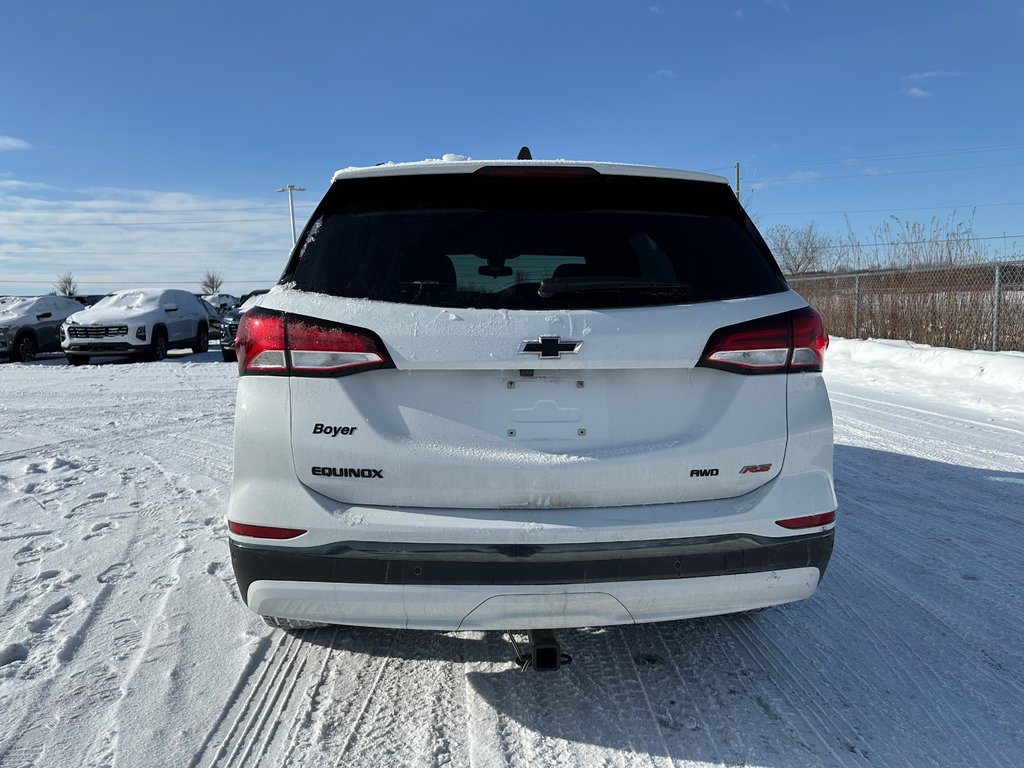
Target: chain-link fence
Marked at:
979, 306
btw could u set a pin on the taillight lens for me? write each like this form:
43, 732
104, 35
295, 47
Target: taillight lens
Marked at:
787, 342
809, 341
272, 343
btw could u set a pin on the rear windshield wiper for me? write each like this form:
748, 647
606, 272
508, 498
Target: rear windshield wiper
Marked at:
580, 284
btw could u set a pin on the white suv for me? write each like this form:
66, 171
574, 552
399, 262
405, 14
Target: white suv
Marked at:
529, 395
142, 322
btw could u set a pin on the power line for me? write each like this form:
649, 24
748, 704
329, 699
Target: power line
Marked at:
140, 282
51, 224
887, 174
774, 182
894, 243
242, 252
893, 156
147, 211
888, 210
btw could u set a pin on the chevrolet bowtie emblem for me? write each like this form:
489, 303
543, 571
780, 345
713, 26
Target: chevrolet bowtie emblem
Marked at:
549, 347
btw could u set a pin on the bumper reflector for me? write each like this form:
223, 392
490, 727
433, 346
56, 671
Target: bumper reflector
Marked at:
811, 521
263, 531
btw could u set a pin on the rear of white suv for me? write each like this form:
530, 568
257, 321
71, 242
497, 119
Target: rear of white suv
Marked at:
517, 394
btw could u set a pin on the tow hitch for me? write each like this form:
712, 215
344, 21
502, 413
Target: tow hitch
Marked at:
544, 653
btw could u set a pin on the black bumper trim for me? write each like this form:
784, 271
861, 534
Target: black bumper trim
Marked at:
98, 350
358, 562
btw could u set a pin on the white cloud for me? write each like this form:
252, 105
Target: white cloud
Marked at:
10, 144
664, 74
657, 11
930, 75
8, 184
123, 238
739, 13
798, 177
782, 5
917, 93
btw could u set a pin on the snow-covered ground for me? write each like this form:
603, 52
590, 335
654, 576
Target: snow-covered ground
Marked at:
123, 641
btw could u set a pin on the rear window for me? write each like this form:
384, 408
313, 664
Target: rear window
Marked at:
468, 240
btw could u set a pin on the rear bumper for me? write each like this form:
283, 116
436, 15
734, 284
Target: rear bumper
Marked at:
473, 586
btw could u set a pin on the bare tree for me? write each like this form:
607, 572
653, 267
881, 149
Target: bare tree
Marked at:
66, 285
801, 250
211, 282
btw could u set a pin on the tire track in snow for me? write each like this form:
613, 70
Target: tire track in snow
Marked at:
589, 713
361, 714
266, 728
780, 665
934, 624
238, 734
622, 634
932, 418
923, 439
244, 679
303, 717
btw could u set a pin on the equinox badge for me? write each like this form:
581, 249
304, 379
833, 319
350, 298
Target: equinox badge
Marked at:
549, 347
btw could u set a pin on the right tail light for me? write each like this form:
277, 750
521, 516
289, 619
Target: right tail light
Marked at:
784, 343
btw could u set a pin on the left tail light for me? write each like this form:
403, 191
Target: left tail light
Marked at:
272, 343
784, 343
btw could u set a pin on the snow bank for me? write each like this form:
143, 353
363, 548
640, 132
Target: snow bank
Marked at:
1004, 369
979, 385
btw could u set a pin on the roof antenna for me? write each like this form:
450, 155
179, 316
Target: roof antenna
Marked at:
524, 154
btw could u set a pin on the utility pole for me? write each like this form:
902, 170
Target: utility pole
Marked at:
291, 206
737, 181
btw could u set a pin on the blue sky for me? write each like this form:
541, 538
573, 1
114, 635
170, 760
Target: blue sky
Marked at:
141, 143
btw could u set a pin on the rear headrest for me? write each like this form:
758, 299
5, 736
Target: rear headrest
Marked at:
436, 268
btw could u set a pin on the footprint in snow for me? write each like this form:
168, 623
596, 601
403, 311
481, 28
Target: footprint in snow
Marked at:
98, 529
115, 573
45, 621
12, 653
34, 551
162, 583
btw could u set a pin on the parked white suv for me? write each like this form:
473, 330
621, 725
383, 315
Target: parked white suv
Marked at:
529, 395
142, 322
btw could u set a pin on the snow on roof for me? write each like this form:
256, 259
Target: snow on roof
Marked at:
144, 292
460, 164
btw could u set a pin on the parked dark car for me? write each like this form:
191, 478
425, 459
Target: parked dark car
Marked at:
214, 319
29, 325
230, 325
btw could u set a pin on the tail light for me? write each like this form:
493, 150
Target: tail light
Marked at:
788, 342
271, 343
